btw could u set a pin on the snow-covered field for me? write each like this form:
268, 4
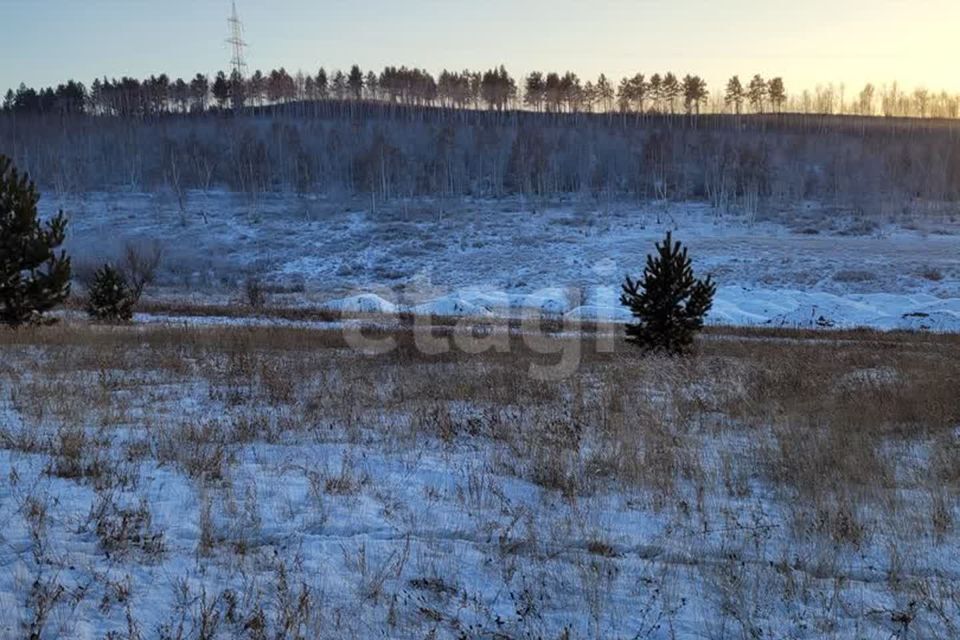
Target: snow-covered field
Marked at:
803, 265
257, 478
265, 482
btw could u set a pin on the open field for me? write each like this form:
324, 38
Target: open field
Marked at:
164, 481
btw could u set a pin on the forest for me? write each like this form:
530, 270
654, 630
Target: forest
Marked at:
403, 134
865, 165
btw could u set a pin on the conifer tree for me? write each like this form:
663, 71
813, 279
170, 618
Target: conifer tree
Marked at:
221, 89
237, 90
355, 82
777, 93
734, 94
670, 90
33, 277
111, 298
757, 93
322, 84
655, 90
669, 303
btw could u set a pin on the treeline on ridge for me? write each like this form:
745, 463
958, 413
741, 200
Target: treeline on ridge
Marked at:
493, 89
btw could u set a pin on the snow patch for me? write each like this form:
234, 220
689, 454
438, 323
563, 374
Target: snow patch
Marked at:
599, 313
732, 306
362, 303
452, 305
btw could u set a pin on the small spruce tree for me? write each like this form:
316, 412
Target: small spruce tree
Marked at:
33, 277
669, 303
111, 298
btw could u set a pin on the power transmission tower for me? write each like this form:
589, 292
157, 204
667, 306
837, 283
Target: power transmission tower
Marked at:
236, 41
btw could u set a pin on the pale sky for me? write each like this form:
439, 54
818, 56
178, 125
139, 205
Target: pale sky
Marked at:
808, 42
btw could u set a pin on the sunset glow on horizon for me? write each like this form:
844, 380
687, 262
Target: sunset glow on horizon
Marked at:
808, 44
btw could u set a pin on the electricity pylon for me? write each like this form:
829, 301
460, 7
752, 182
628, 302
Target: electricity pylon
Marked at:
237, 42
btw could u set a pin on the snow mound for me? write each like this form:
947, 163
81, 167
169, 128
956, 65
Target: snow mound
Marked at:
600, 313
552, 301
817, 309
546, 301
451, 306
825, 315
495, 301
732, 306
362, 303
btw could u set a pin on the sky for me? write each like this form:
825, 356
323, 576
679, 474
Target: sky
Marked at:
808, 43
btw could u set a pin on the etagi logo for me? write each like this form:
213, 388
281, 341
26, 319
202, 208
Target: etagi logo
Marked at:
547, 322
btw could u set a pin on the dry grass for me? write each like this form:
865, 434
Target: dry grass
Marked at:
832, 401
850, 436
